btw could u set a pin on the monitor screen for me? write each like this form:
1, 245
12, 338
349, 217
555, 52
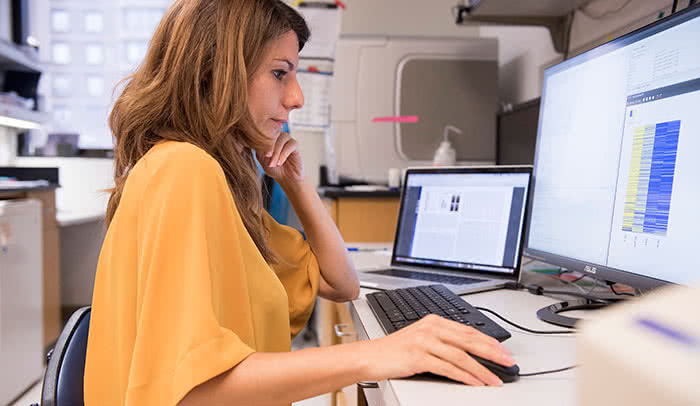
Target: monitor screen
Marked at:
463, 219
516, 133
616, 186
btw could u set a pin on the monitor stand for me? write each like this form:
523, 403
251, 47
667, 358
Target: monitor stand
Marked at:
550, 314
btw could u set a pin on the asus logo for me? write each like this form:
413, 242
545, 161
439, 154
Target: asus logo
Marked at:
590, 269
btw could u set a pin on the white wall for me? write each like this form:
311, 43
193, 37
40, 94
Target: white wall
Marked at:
403, 17
83, 181
522, 52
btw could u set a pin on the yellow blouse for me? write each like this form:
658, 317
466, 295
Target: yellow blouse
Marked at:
182, 293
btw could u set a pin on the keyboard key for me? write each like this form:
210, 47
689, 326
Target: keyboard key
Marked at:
396, 309
395, 317
411, 316
400, 324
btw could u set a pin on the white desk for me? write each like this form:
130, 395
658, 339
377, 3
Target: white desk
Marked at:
531, 352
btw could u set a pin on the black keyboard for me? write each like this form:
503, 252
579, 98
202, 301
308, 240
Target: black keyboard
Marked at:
399, 308
430, 277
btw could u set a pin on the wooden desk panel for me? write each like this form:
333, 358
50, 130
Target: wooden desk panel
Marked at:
366, 219
359, 219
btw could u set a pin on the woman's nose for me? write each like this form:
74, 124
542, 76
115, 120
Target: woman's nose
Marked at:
294, 97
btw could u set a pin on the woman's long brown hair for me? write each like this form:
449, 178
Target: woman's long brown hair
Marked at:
192, 87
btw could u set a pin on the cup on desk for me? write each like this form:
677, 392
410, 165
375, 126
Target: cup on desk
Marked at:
394, 178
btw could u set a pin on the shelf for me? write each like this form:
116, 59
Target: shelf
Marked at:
11, 57
555, 15
20, 113
529, 8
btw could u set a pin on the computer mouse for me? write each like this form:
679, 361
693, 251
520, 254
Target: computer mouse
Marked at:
507, 374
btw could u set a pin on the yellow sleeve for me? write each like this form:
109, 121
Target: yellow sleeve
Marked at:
188, 247
297, 270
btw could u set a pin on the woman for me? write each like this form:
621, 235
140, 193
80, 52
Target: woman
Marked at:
198, 291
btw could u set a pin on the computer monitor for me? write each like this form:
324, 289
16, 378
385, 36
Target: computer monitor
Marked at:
616, 174
516, 133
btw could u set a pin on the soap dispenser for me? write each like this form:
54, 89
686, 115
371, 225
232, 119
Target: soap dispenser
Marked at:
446, 155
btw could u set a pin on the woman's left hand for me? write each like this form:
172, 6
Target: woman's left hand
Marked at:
283, 162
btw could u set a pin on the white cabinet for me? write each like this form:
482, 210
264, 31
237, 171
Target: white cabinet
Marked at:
21, 323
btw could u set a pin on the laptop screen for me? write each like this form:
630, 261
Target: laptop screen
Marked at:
463, 218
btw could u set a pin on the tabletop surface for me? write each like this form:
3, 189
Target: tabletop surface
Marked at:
532, 352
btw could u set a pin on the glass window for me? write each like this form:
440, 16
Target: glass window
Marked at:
61, 53
141, 20
60, 20
136, 51
95, 85
154, 17
62, 118
94, 54
94, 132
61, 85
94, 22
88, 53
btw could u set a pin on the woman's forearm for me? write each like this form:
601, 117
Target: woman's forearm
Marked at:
325, 241
432, 344
283, 378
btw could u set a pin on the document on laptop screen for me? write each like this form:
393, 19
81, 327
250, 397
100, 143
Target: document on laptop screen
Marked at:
463, 218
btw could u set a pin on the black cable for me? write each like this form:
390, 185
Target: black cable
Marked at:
539, 290
548, 372
483, 309
674, 7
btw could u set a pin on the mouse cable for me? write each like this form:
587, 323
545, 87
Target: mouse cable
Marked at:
539, 290
549, 372
483, 309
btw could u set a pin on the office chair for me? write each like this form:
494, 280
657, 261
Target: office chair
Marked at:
63, 379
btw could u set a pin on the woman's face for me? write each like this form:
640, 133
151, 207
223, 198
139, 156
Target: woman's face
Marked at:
274, 91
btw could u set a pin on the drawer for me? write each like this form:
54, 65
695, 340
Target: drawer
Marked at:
345, 328
327, 318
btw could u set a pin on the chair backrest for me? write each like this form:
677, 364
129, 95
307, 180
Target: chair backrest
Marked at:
63, 380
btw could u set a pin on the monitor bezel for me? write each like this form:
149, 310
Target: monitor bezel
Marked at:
504, 169
600, 271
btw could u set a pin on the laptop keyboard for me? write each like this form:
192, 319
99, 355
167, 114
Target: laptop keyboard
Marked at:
430, 277
399, 308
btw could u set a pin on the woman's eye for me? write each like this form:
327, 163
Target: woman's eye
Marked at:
279, 74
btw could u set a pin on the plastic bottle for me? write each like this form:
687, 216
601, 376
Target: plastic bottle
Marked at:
445, 155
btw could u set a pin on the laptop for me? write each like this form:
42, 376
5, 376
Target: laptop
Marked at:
462, 227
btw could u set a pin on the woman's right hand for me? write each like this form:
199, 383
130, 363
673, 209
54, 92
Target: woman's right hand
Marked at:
440, 346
